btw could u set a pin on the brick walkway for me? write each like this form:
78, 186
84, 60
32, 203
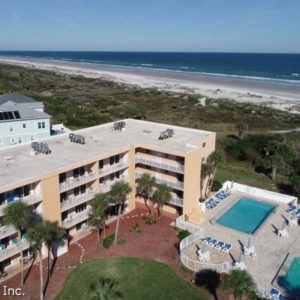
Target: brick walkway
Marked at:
155, 242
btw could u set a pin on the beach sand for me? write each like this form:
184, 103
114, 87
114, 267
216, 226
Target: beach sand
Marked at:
279, 95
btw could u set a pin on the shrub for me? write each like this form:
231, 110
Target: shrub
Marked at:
183, 234
150, 221
217, 185
121, 242
108, 241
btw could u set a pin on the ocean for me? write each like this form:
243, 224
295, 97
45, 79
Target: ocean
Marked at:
280, 68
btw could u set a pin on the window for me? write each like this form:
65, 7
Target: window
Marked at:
78, 172
101, 180
2, 198
114, 159
80, 207
78, 226
101, 164
24, 125
80, 190
19, 139
43, 125
118, 174
32, 138
13, 140
112, 177
11, 128
39, 125
203, 145
62, 177
63, 197
203, 159
64, 215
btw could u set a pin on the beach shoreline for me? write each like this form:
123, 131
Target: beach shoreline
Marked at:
280, 96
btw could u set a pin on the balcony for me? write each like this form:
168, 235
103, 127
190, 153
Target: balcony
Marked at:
113, 168
12, 250
178, 185
178, 168
82, 198
72, 182
177, 201
30, 200
106, 187
76, 218
7, 230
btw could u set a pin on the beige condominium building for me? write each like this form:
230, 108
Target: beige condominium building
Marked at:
61, 185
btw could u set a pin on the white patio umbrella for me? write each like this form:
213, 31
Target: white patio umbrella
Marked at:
250, 242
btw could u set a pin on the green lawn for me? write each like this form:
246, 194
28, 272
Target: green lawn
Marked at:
139, 279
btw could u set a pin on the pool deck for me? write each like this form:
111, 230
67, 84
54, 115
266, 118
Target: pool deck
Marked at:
271, 250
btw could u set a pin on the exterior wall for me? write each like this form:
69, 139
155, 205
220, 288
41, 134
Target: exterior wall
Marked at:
24, 134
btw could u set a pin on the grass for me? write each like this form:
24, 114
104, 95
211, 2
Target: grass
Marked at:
138, 279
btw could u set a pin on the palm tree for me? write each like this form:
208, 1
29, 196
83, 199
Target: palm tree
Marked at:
119, 193
98, 215
105, 289
275, 161
146, 183
241, 127
217, 158
162, 196
206, 170
18, 215
36, 239
52, 234
240, 283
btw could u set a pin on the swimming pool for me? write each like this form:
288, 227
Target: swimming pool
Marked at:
246, 215
291, 281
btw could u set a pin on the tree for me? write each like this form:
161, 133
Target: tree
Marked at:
241, 127
217, 158
119, 193
146, 183
52, 234
240, 283
98, 215
162, 196
36, 237
275, 161
206, 170
18, 215
105, 289
295, 180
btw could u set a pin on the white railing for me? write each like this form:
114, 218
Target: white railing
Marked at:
30, 199
273, 196
106, 187
7, 230
176, 201
74, 182
194, 265
178, 168
76, 218
113, 168
12, 250
89, 195
176, 185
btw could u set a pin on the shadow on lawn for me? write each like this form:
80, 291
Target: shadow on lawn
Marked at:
210, 280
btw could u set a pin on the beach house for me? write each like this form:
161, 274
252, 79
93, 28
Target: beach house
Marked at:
22, 119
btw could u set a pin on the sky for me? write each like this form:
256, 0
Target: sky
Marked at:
151, 25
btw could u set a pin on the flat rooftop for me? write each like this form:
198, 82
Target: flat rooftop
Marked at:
18, 164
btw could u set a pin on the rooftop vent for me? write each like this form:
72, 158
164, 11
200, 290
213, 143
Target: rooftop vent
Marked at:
76, 138
119, 125
40, 148
166, 134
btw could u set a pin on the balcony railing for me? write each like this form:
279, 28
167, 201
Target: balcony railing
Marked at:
177, 201
71, 183
76, 218
30, 200
106, 187
178, 168
12, 250
82, 198
7, 230
113, 168
173, 184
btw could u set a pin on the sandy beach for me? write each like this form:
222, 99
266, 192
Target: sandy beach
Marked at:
277, 94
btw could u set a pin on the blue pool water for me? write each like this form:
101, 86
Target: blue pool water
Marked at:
246, 215
291, 280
